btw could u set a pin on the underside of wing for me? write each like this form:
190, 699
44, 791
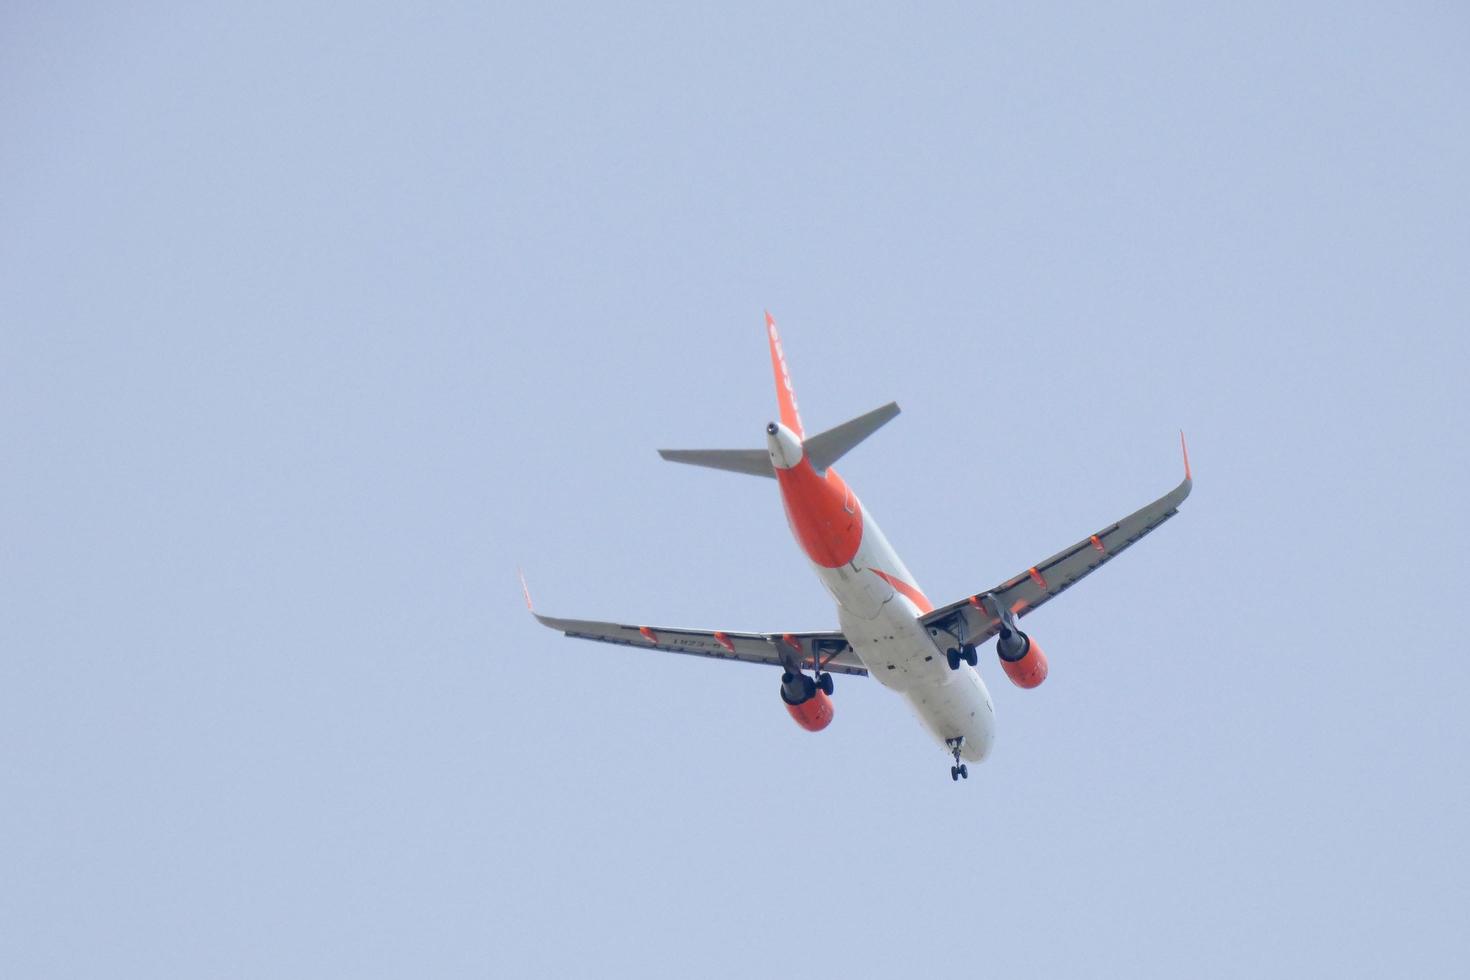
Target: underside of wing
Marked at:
972, 619
828, 650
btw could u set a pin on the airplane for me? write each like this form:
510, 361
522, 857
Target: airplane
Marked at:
889, 628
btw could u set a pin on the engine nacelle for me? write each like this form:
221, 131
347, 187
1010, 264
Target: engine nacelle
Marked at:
1022, 660
808, 705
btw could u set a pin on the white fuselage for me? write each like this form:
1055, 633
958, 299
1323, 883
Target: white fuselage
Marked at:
878, 607
883, 626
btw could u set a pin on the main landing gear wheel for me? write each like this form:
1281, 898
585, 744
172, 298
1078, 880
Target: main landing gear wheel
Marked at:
966, 654
959, 770
824, 684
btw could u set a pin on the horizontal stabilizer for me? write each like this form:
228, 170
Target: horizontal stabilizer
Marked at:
756, 462
828, 447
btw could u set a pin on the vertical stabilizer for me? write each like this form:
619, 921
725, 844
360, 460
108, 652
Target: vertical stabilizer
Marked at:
785, 393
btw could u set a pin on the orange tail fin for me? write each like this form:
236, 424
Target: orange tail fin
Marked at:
785, 393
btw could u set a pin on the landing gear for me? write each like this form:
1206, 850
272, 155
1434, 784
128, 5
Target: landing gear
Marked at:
965, 654
824, 684
959, 770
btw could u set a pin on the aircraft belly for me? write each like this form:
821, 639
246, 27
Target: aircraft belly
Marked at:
894, 646
961, 708
858, 591
900, 655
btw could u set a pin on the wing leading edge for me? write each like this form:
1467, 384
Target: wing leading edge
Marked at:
970, 620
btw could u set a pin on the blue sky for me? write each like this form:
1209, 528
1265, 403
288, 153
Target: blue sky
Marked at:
319, 321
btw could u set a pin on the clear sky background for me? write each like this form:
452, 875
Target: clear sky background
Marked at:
319, 319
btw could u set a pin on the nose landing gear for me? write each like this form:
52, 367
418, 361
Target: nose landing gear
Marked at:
959, 770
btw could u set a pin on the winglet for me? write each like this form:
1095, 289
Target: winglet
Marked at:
785, 393
525, 591
1185, 448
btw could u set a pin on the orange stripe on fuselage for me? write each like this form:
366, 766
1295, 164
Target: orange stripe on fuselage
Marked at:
910, 592
824, 515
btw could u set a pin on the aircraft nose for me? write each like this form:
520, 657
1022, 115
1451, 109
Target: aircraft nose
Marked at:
982, 740
977, 747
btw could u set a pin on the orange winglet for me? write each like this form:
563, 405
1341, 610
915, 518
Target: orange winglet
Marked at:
724, 641
1097, 543
525, 591
1037, 577
792, 642
1185, 447
648, 634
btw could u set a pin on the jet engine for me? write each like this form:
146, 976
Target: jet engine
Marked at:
807, 701
1022, 660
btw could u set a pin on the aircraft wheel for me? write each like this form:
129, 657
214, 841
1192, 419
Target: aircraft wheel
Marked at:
971, 655
953, 656
954, 773
824, 682
964, 771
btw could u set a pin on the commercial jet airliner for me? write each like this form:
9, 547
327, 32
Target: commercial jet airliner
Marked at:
889, 628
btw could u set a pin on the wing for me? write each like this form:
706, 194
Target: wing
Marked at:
970, 620
829, 648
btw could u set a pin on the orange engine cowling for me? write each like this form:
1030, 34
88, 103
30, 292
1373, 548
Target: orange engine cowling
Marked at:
1022, 660
809, 706
813, 714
